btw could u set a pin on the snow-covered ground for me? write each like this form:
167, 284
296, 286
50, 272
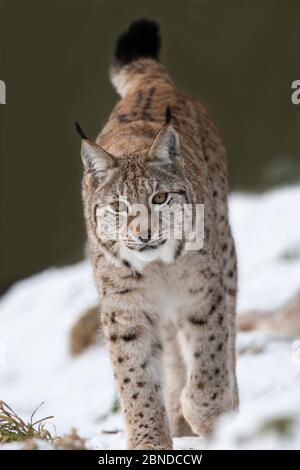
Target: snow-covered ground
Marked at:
37, 314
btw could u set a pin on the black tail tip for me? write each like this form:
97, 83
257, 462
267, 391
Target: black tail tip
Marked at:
142, 39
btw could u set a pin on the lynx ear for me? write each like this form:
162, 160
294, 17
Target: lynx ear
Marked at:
165, 147
96, 160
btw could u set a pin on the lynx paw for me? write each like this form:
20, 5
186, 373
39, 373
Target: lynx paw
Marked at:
149, 446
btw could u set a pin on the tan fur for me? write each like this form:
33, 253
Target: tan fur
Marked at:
85, 331
169, 323
284, 320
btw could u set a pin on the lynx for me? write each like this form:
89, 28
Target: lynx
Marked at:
167, 312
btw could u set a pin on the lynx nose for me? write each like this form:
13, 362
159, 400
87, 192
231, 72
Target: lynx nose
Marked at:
145, 235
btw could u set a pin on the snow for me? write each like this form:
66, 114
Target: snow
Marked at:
36, 316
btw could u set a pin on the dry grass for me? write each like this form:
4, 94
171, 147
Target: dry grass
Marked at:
13, 428
70, 441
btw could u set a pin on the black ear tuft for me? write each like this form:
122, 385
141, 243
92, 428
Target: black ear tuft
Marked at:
168, 115
80, 131
142, 39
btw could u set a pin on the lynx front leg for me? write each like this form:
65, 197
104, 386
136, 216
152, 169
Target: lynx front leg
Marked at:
210, 389
175, 379
135, 353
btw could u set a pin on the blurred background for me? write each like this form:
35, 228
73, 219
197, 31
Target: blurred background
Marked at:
237, 57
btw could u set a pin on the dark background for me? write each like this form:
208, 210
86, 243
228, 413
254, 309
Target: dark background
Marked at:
238, 57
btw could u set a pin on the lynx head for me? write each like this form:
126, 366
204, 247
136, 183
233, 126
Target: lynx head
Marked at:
133, 204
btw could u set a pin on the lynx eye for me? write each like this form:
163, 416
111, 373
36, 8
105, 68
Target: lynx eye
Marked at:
159, 198
118, 206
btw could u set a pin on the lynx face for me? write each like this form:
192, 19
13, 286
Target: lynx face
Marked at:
137, 203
